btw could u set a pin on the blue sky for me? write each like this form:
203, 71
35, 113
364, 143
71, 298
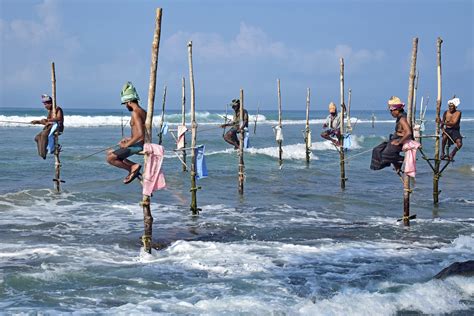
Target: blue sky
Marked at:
98, 45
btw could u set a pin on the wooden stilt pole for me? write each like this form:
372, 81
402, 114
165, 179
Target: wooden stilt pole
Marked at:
147, 218
241, 145
307, 131
57, 162
343, 108
256, 119
411, 92
194, 188
122, 125
437, 162
183, 122
280, 142
413, 117
348, 126
160, 139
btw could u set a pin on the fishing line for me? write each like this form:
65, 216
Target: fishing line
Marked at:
95, 153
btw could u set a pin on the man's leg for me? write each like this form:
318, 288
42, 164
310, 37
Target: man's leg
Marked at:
231, 137
126, 164
325, 135
115, 161
456, 148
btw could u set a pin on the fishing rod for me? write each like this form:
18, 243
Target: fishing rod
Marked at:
210, 128
97, 152
17, 122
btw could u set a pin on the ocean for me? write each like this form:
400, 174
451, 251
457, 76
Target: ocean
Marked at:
293, 244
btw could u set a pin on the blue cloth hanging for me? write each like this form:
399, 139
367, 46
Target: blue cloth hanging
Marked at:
51, 144
347, 141
164, 128
246, 138
201, 168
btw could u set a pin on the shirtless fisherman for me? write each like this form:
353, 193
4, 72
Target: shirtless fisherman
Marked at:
450, 126
133, 144
389, 152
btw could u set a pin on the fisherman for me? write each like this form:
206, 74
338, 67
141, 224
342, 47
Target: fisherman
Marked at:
332, 125
450, 126
389, 152
231, 135
49, 120
133, 144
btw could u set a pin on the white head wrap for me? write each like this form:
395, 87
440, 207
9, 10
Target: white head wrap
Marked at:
455, 102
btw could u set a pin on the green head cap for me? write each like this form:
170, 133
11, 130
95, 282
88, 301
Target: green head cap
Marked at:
129, 93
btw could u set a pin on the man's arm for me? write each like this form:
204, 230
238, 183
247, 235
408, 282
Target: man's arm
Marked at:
443, 122
138, 131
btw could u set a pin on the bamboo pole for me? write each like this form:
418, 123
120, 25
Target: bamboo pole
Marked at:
411, 92
437, 162
194, 189
256, 119
183, 122
348, 126
280, 149
160, 140
147, 217
57, 162
413, 118
307, 131
121, 124
241, 145
343, 108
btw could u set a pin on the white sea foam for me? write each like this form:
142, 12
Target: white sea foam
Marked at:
202, 118
433, 297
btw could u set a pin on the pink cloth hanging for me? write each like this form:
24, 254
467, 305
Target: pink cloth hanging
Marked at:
181, 132
153, 178
410, 149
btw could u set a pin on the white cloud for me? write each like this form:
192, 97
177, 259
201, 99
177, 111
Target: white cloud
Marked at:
39, 40
252, 43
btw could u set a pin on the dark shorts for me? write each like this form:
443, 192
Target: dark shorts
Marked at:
454, 134
332, 132
124, 153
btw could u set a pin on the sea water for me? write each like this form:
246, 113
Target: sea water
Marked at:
293, 244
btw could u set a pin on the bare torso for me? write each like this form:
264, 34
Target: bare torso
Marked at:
452, 119
137, 124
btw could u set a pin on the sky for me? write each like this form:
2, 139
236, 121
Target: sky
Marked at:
98, 45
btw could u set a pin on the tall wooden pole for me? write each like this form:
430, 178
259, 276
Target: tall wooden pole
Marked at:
57, 161
411, 92
147, 218
241, 145
437, 163
183, 121
280, 149
413, 117
349, 127
256, 119
194, 208
343, 108
307, 132
160, 139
